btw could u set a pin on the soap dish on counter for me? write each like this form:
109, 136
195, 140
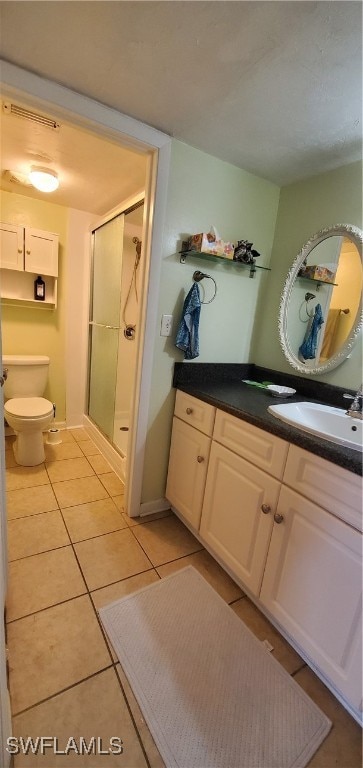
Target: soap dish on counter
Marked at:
278, 391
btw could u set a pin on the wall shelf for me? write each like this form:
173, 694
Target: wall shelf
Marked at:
221, 259
317, 282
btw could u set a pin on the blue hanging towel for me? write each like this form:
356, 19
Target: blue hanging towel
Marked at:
309, 345
187, 337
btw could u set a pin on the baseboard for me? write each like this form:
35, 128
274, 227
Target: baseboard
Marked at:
151, 507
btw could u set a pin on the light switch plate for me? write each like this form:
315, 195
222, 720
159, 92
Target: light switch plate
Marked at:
166, 325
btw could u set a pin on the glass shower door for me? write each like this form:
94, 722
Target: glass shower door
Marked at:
105, 323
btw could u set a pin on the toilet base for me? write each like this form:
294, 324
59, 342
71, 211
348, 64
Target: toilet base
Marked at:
29, 448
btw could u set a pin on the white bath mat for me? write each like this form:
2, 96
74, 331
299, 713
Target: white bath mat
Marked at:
211, 694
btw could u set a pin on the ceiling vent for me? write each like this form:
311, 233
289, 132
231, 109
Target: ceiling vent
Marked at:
33, 117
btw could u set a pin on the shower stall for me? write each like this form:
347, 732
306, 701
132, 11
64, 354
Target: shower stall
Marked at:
113, 325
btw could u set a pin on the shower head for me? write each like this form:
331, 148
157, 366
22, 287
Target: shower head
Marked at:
138, 244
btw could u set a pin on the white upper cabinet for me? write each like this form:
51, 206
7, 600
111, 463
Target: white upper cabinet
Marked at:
41, 252
11, 247
26, 253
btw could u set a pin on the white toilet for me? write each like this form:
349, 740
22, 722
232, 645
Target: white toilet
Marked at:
25, 410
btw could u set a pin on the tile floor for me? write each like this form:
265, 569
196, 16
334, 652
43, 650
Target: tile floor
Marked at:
71, 550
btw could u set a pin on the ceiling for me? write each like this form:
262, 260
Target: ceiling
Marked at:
272, 87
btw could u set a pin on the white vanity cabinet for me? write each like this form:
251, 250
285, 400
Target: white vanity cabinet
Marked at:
313, 578
189, 456
26, 252
286, 524
312, 586
240, 498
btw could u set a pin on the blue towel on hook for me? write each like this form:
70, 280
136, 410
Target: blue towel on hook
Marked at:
310, 343
187, 337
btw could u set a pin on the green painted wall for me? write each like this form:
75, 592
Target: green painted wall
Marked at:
304, 209
205, 191
38, 331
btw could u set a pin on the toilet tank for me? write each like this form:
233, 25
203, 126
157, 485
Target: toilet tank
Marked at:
27, 375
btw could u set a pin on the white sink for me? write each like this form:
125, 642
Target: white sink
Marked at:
330, 423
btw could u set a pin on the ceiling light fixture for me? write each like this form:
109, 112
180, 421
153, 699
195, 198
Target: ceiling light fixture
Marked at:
43, 179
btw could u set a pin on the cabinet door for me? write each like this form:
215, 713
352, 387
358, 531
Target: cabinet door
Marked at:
313, 586
237, 515
189, 454
11, 247
41, 252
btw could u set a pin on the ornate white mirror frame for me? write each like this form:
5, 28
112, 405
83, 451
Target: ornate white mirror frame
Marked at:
356, 236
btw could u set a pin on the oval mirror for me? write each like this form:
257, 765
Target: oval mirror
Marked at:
320, 313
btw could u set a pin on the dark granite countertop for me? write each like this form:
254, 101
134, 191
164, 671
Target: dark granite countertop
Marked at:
221, 385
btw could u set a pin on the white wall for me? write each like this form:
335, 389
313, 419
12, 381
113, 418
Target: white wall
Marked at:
203, 191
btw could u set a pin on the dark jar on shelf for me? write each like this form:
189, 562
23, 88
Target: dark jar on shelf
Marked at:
39, 289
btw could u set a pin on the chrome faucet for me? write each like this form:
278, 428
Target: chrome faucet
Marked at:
355, 409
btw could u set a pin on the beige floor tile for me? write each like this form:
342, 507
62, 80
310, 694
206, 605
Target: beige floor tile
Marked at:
43, 580
263, 629
120, 589
110, 558
120, 502
25, 477
153, 754
93, 519
99, 464
21, 503
209, 568
67, 450
112, 483
39, 533
88, 448
132, 521
70, 493
76, 713
165, 540
68, 469
66, 436
79, 433
343, 746
52, 650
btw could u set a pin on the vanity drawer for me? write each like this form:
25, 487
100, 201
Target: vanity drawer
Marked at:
193, 411
332, 487
261, 448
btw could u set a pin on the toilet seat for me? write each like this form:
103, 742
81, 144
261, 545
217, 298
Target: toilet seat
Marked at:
29, 407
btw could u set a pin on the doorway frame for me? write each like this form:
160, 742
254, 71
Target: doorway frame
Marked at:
106, 122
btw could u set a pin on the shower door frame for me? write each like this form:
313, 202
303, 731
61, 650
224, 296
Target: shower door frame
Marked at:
86, 113
129, 205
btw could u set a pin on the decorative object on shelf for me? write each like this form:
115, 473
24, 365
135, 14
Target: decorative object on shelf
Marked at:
198, 276
317, 272
243, 252
210, 242
187, 338
39, 289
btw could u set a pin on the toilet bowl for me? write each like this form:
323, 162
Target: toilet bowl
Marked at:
28, 414
29, 417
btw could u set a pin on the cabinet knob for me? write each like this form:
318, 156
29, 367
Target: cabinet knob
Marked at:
200, 459
189, 411
20, 250
278, 518
266, 509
